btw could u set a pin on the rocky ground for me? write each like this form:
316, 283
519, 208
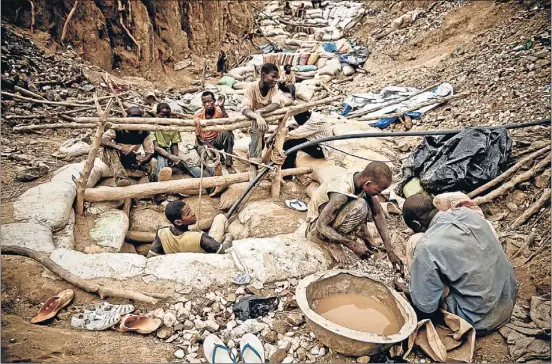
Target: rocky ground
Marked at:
481, 48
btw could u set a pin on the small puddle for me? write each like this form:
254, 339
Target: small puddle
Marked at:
358, 312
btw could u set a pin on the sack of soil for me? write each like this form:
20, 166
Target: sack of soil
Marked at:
461, 162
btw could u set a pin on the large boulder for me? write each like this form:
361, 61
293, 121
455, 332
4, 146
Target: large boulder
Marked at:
193, 269
110, 229
231, 195
261, 218
49, 203
65, 238
72, 172
148, 219
281, 257
28, 235
103, 265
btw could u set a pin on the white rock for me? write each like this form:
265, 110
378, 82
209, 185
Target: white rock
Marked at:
188, 306
28, 235
179, 354
65, 238
269, 350
288, 359
170, 319
191, 356
110, 229
102, 265
211, 325
182, 314
249, 326
231, 344
315, 350
322, 351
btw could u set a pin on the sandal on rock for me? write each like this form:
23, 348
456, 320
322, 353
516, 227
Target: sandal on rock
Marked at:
251, 349
53, 305
106, 307
94, 321
216, 352
296, 205
140, 324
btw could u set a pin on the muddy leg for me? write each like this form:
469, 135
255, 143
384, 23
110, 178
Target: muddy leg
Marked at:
349, 221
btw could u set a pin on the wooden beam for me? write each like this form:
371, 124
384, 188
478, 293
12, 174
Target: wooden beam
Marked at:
103, 193
545, 197
83, 179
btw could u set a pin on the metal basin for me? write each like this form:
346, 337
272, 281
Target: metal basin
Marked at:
342, 339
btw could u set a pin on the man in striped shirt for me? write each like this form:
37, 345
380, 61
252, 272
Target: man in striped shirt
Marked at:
309, 125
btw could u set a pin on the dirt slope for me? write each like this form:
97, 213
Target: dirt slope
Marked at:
166, 31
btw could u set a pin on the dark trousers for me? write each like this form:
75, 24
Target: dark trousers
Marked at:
289, 88
314, 151
224, 141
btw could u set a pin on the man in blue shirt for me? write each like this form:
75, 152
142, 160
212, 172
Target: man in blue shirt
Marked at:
458, 265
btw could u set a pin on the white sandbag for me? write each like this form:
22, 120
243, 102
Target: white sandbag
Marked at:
226, 90
334, 22
326, 14
28, 235
293, 42
348, 70
110, 229
235, 75
305, 75
331, 68
72, 172
65, 238
321, 62
305, 92
49, 203
74, 147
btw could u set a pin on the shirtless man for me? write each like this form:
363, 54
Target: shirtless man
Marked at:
340, 207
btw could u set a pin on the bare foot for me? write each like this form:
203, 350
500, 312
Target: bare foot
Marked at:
360, 249
336, 251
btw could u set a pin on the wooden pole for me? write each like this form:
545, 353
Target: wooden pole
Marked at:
202, 85
209, 122
532, 210
103, 193
24, 91
509, 172
54, 126
512, 183
83, 179
47, 102
47, 114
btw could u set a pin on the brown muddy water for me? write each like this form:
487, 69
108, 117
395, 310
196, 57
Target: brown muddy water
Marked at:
358, 312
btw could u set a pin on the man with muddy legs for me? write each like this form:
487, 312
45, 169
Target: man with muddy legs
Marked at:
261, 97
458, 265
340, 207
120, 147
179, 239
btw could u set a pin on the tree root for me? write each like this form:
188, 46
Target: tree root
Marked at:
85, 285
64, 31
32, 15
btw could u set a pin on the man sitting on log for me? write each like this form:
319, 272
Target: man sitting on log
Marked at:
287, 81
341, 206
221, 140
120, 149
458, 265
179, 239
165, 145
261, 97
310, 125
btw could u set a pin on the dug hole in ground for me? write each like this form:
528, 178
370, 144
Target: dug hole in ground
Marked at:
495, 56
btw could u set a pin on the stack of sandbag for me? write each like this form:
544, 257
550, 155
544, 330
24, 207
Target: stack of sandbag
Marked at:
331, 68
245, 73
329, 33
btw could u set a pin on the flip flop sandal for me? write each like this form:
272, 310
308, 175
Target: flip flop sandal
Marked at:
94, 322
216, 352
53, 305
140, 324
251, 349
106, 307
296, 205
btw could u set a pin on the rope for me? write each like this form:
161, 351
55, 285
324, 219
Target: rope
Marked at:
200, 188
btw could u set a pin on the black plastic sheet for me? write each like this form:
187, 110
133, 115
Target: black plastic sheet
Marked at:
461, 162
254, 306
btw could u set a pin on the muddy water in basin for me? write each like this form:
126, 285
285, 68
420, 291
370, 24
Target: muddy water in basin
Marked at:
358, 312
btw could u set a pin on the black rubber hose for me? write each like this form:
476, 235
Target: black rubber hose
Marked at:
297, 148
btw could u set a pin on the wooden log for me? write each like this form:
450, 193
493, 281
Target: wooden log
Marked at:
85, 285
47, 102
508, 172
140, 236
392, 102
32, 15
522, 219
514, 181
47, 114
415, 107
210, 122
24, 91
83, 179
54, 126
98, 194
